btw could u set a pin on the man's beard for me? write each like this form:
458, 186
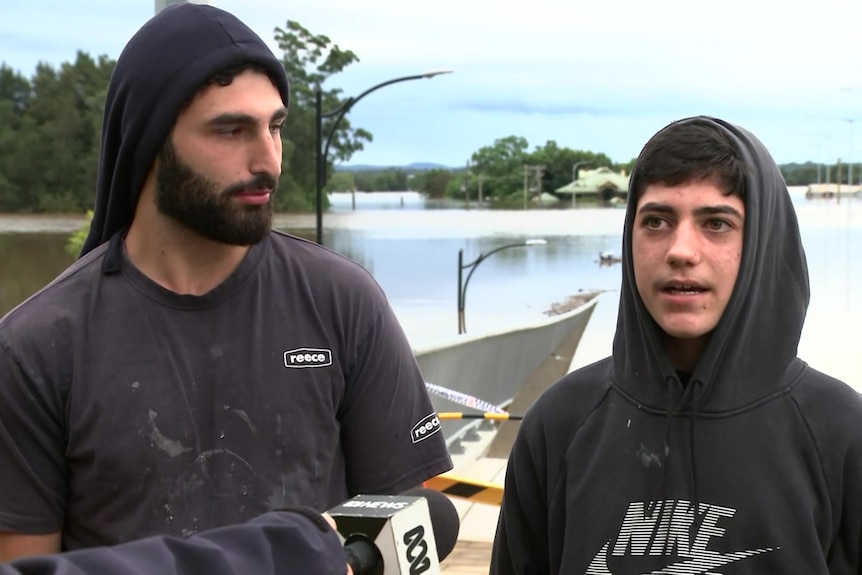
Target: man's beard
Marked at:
196, 203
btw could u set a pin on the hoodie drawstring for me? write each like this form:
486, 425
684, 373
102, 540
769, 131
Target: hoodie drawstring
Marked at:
691, 393
696, 387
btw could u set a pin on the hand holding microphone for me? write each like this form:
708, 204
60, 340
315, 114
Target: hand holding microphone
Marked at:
334, 527
380, 534
397, 534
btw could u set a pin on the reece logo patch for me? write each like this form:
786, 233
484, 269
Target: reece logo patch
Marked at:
307, 357
428, 426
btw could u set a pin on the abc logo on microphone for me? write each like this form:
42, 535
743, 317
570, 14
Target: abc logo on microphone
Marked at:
397, 534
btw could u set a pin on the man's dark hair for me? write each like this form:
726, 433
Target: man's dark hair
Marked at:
691, 151
225, 77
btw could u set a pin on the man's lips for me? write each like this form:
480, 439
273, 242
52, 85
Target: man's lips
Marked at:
682, 286
254, 196
260, 192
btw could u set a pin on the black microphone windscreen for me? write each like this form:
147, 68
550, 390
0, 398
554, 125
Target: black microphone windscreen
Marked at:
444, 519
363, 556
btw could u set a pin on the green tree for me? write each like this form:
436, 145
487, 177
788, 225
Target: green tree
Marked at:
78, 237
559, 163
341, 182
15, 94
625, 166
310, 60
804, 174
502, 168
49, 135
433, 183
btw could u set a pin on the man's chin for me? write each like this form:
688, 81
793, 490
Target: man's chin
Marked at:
687, 332
239, 236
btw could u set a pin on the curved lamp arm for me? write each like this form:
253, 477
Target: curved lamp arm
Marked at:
339, 113
462, 289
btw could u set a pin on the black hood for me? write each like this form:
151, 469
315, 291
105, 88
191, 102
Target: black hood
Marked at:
158, 72
748, 357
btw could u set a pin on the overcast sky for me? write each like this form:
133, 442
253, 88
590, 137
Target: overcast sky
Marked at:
601, 76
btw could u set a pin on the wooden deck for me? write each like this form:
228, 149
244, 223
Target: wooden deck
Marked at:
472, 552
468, 558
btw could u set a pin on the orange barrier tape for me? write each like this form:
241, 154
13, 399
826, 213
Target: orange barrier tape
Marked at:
470, 489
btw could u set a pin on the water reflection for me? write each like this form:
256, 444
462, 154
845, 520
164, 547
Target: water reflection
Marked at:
28, 262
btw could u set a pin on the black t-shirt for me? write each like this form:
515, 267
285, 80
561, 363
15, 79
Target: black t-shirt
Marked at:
129, 410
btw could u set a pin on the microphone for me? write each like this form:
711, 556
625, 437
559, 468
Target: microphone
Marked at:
404, 534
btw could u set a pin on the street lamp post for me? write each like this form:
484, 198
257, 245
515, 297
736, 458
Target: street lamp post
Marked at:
850, 155
462, 284
322, 148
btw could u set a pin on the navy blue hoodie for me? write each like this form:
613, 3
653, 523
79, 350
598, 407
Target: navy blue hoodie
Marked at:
272, 544
159, 71
612, 461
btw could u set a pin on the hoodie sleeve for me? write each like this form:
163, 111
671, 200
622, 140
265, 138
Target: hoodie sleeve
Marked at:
845, 555
521, 543
271, 544
831, 411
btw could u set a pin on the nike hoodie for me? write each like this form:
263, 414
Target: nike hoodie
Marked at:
753, 466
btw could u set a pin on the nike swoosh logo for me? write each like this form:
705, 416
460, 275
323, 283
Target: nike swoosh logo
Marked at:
701, 564
599, 564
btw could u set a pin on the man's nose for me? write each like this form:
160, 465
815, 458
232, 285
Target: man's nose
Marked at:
265, 154
685, 247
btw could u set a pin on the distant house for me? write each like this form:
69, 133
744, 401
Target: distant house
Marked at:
602, 184
829, 191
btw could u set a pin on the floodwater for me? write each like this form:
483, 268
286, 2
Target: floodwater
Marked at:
411, 247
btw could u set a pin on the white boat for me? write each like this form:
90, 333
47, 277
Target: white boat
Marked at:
487, 372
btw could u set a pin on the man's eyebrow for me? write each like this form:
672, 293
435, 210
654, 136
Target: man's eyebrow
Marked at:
230, 118
656, 207
720, 209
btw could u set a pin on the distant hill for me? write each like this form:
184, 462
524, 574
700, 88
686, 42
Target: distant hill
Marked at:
414, 167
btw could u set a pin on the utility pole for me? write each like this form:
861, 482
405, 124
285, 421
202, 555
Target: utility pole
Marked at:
481, 178
538, 170
838, 181
850, 156
467, 186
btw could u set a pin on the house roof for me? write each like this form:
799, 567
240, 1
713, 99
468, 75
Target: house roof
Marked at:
595, 180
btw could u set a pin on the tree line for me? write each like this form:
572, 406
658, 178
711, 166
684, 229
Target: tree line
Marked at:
499, 169
50, 126
50, 129
501, 173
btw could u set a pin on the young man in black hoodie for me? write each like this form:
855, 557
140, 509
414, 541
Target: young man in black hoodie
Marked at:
195, 368
703, 444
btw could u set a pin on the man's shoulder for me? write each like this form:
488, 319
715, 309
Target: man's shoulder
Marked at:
821, 395
590, 380
313, 256
64, 296
327, 271
830, 410
573, 397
